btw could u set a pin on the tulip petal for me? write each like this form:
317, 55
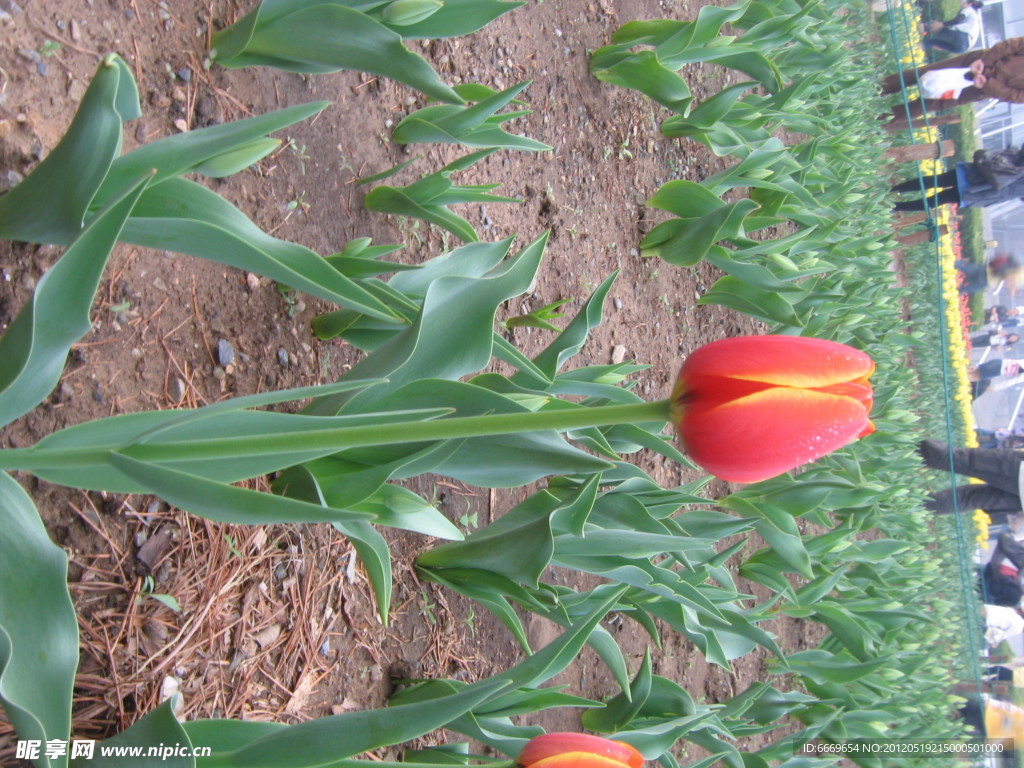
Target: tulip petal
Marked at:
578, 760
791, 361
769, 432
541, 750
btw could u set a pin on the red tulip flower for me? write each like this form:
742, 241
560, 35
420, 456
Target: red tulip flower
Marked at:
578, 750
752, 407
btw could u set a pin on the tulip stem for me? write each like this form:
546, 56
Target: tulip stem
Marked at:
341, 438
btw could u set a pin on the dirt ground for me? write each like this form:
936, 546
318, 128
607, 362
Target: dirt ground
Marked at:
278, 623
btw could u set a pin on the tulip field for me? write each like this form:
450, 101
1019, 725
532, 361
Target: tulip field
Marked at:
469, 382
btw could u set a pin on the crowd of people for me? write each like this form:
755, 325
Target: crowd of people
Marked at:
968, 75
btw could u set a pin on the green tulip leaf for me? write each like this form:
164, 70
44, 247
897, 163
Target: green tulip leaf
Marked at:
321, 38
453, 335
38, 628
328, 741
458, 17
158, 730
226, 503
183, 216
472, 126
217, 147
51, 204
642, 71
375, 556
37, 343
518, 545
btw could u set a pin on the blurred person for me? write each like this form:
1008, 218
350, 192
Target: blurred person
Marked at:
1004, 79
950, 83
964, 185
1002, 622
959, 34
994, 339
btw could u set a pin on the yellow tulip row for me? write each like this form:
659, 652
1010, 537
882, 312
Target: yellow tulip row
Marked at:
959, 354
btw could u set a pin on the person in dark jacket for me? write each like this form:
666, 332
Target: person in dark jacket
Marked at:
964, 185
1004, 78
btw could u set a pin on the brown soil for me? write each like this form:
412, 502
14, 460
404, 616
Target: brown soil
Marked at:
278, 622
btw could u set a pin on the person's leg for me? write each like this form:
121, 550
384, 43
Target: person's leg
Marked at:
965, 498
930, 181
926, 204
950, 40
995, 467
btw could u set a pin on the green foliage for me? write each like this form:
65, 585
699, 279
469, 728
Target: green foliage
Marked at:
475, 126
428, 199
38, 629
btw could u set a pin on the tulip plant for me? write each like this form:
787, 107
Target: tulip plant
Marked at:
363, 35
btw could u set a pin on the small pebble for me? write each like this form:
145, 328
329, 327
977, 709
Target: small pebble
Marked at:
76, 33
282, 357
618, 353
219, 373
181, 125
225, 353
9, 179
293, 361
176, 389
618, 303
184, 74
281, 572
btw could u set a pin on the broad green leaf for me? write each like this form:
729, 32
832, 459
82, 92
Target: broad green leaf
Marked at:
685, 199
37, 342
642, 71
375, 556
219, 146
226, 503
183, 216
778, 528
225, 446
770, 307
38, 628
707, 114
399, 507
684, 242
51, 204
457, 18
490, 590
328, 740
453, 335
471, 126
518, 545
321, 38
238, 159
158, 730
619, 711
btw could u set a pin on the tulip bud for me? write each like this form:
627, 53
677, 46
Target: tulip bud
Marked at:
402, 13
752, 407
578, 750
